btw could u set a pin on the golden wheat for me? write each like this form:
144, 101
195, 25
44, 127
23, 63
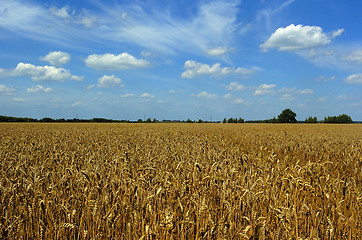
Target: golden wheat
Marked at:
180, 181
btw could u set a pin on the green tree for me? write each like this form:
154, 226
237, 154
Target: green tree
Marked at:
311, 120
344, 118
224, 121
240, 120
287, 116
232, 120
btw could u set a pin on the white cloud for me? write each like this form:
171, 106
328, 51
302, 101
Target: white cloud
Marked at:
195, 69
217, 51
228, 96
355, 56
322, 99
151, 26
76, 104
297, 37
213, 24
239, 101
91, 86
127, 95
6, 90
265, 89
287, 97
234, 86
206, 95
344, 97
73, 17
354, 79
39, 73
60, 12
77, 78
337, 33
109, 81
147, 95
38, 88
325, 78
56, 58
172, 92
19, 100
110, 61
305, 91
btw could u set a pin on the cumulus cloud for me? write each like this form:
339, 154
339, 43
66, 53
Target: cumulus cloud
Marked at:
40, 73
218, 51
354, 79
109, 81
206, 95
110, 61
56, 58
147, 95
355, 56
297, 37
322, 99
264, 89
38, 88
196, 69
6, 90
305, 91
287, 97
228, 96
234, 86
239, 101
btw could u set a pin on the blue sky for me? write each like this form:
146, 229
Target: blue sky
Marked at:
180, 59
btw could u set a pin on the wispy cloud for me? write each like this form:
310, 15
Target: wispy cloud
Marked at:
150, 27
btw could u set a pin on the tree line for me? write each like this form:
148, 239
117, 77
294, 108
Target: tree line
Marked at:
286, 116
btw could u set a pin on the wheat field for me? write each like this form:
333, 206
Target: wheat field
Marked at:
180, 181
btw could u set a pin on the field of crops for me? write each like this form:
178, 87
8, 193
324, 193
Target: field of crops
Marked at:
180, 181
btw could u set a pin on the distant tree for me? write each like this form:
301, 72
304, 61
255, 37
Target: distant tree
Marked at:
240, 120
200, 121
148, 120
46, 119
140, 121
224, 121
189, 120
154, 120
232, 120
311, 120
344, 118
287, 116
